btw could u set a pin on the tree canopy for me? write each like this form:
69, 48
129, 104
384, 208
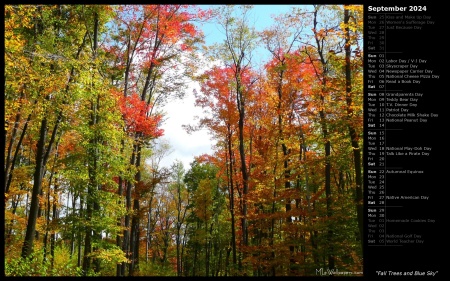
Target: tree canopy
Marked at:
85, 191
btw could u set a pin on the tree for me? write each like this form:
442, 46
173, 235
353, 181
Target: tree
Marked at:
180, 197
55, 93
281, 40
216, 98
354, 118
207, 203
236, 52
151, 41
58, 41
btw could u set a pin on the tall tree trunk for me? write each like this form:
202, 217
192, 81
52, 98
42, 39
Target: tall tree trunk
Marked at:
231, 194
52, 173
272, 232
41, 160
287, 171
88, 232
98, 139
241, 109
134, 265
149, 225
93, 186
134, 246
53, 234
37, 183
327, 144
183, 264
80, 214
352, 131
178, 242
119, 272
127, 230
10, 163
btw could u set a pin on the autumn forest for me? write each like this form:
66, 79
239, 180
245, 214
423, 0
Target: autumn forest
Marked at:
85, 193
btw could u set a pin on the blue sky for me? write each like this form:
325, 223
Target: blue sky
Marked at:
261, 16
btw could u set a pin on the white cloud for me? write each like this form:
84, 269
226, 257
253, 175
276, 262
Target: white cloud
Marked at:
184, 146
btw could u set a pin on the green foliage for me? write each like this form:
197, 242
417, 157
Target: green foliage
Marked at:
35, 265
64, 264
110, 254
155, 269
31, 266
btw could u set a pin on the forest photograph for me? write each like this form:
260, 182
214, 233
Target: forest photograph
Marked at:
183, 140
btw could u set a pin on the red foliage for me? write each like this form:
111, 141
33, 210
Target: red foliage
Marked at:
136, 114
204, 158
